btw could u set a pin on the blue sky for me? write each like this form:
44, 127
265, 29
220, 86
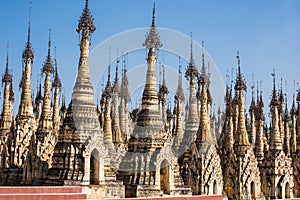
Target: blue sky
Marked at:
265, 32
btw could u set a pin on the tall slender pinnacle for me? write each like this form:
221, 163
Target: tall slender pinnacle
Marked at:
26, 108
293, 113
116, 133
107, 111
180, 93
124, 93
242, 136
150, 114
152, 43
7, 77
48, 69
8, 95
275, 143
192, 119
57, 87
203, 133
83, 83
108, 89
83, 94
116, 81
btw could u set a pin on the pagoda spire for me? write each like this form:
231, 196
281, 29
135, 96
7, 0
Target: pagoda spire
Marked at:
259, 117
192, 121
229, 138
286, 125
163, 91
242, 136
149, 114
48, 68
293, 113
82, 101
298, 120
83, 82
180, 93
179, 97
8, 95
125, 99
252, 110
204, 131
275, 143
107, 109
116, 133
57, 88
26, 108
152, 43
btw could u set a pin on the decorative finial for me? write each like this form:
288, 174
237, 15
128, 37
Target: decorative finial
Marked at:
86, 22
48, 66
192, 70
7, 77
28, 53
240, 84
152, 37
274, 96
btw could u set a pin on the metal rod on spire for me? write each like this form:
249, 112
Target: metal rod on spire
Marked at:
49, 42
7, 49
29, 18
253, 85
273, 75
239, 63
191, 46
153, 15
203, 62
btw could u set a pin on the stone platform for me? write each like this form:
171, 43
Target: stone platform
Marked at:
44, 193
75, 193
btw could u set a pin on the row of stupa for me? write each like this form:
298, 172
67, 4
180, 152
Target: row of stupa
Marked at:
155, 150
